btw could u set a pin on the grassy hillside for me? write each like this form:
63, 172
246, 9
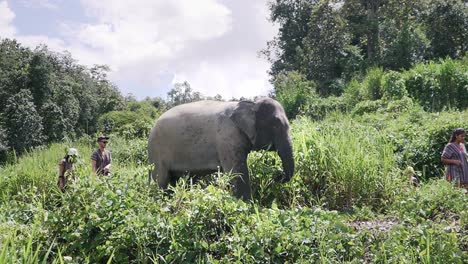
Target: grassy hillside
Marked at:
349, 202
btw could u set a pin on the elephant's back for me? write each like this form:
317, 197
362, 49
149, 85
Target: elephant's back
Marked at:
197, 115
181, 132
200, 108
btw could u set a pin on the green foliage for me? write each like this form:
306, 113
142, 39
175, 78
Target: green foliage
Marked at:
329, 40
437, 200
325, 46
404, 44
22, 121
293, 91
342, 163
339, 164
319, 108
135, 121
418, 137
447, 23
393, 87
368, 106
182, 93
439, 86
129, 123
372, 84
65, 98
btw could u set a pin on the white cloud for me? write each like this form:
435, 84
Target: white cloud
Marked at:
50, 4
6, 17
238, 77
212, 44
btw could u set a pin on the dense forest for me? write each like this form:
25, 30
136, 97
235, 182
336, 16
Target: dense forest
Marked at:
372, 89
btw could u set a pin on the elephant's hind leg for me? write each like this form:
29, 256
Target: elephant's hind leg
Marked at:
163, 176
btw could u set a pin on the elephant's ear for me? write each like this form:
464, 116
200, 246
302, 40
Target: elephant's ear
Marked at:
244, 117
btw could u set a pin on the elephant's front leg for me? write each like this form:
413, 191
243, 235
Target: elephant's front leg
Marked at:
236, 163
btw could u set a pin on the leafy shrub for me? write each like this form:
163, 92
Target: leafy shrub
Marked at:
439, 86
368, 107
128, 123
353, 93
293, 91
130, 152
419, 139
319, 108
340, 164
404, 104
437, 200
393, 87
372, 83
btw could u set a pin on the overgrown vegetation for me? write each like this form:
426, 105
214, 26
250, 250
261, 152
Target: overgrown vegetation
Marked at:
371, 88
349, 200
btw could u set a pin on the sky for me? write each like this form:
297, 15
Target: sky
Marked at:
150, 45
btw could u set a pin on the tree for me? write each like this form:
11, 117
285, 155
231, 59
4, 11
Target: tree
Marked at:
53, 121
326, 47
286, 50
14, 61
331, 41
447, 27
182, 93
3, 142
23, 123
41, 77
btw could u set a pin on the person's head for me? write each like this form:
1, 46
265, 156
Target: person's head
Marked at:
458, 135
72, 155
102, 141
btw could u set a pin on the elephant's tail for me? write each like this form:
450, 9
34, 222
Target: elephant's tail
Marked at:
149, 177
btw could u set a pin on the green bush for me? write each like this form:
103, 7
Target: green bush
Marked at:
372, 83
341, 163
128, 123
368, 107
393, 87
319, 108
439, 86
293, 91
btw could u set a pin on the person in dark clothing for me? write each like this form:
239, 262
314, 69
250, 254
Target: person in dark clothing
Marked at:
101, 159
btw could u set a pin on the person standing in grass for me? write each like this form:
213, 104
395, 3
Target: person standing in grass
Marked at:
101, 159
66, 166
455, 157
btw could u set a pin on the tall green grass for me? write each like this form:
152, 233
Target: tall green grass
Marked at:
351, 164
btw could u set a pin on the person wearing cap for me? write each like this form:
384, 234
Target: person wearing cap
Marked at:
66, 166
101, 159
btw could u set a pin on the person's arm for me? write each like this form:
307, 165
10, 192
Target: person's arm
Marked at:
447, 154
94, 166
61, 181
108, 166
451, 161
61, 169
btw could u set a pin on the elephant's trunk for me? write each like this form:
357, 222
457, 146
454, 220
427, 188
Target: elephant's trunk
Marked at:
285, 151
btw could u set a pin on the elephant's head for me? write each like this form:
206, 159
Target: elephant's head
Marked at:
265, 124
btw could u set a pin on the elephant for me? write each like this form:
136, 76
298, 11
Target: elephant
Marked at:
202, 137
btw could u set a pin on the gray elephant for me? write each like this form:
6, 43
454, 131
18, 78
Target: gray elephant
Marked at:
199, 137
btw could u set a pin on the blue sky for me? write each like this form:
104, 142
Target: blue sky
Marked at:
152, 44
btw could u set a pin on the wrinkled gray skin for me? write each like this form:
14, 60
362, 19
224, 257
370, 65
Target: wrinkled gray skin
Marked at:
198, 137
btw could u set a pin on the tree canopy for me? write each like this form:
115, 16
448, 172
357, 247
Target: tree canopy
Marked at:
47, 96
332, 41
